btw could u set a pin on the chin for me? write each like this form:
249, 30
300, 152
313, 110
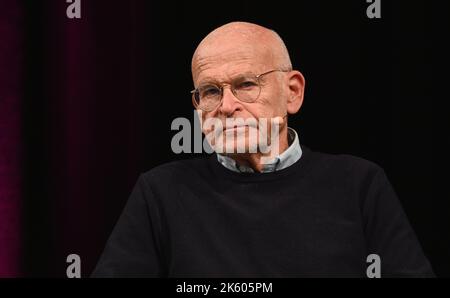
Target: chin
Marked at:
240, 145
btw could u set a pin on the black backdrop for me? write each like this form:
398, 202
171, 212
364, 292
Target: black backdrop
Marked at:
98, 96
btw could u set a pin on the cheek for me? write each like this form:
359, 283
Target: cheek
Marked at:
278, 101
269, 105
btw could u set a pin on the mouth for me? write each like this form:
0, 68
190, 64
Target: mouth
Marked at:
227, 128
235, 127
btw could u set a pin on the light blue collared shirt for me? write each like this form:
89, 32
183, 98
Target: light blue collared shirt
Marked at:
282, 161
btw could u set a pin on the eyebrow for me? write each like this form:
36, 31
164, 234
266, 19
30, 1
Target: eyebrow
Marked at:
211, 80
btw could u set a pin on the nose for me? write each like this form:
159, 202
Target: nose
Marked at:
230, 103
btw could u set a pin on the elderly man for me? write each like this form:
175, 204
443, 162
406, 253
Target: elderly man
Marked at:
284, 212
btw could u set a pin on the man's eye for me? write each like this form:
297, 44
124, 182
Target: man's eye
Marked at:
246, 85
212, 91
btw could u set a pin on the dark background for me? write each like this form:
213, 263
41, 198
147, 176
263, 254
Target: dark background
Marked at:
94, 98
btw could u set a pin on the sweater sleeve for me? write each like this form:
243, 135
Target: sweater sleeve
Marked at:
389, 234
132, 250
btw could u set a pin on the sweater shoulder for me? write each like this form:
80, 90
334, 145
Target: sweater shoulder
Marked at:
345, 163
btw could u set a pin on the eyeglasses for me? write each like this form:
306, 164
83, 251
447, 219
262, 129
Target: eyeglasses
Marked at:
208, 97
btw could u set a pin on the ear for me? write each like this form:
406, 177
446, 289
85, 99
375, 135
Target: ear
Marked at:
296, 85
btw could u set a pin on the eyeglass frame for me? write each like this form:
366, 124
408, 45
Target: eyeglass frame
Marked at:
257, 77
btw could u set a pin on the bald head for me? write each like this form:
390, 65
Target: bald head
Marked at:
241, 40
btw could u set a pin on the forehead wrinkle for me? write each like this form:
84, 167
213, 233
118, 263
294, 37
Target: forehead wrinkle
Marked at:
226, 76
225, 66
230, 78
221, 62
225, 71
222, 56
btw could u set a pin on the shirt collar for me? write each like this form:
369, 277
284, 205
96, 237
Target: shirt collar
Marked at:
282, 161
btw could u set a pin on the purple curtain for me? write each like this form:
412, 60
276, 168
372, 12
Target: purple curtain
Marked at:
11, 58
71, 129
94, 129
